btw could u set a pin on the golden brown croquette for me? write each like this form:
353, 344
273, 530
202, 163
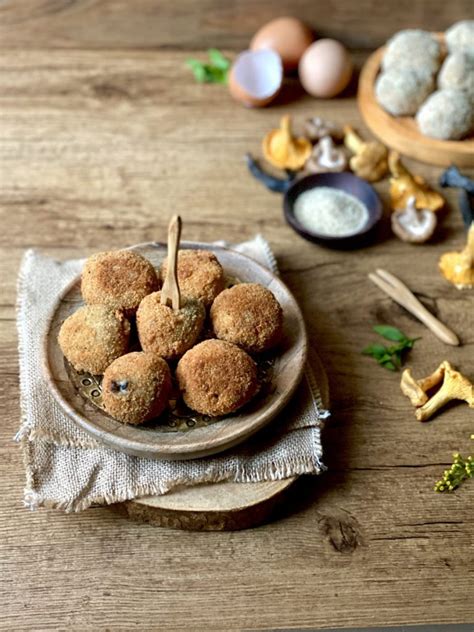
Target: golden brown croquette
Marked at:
118, 279
216, 378
168, 332
93, 337
248, 315
136, 387
200, 275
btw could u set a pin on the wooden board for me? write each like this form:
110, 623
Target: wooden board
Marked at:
222, 506
184, 436
98, 149
402, 133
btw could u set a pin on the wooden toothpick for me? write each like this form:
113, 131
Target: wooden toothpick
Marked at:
170, 293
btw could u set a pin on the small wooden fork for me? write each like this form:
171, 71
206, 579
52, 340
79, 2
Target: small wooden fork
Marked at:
399, 292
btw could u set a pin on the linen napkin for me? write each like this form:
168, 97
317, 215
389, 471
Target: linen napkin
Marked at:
69, 470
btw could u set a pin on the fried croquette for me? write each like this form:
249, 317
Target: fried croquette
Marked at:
167, 332
93, 337
119, 279
200, 275
248, 315
216, 378
136, 387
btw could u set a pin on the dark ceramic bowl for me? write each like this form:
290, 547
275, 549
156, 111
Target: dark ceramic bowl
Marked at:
344, 181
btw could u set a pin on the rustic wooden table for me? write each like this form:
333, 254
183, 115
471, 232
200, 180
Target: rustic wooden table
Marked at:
98, 149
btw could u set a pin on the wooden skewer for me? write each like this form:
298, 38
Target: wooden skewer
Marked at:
399, 292
170, 293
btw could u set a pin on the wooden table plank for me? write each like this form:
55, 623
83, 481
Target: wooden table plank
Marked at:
97, 150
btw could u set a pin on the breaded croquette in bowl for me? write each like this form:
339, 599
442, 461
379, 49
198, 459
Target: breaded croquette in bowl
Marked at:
249, 316
119, 279
136, 387
167, 332
200, 275
93, 337
216, 378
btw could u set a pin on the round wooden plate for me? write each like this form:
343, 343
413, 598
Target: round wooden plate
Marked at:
184, 435
219, 506
402, 133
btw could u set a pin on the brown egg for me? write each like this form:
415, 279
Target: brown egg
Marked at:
289, 37
325, 68
256, 77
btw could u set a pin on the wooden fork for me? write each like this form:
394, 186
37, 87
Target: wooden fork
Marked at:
170, 291
399, 292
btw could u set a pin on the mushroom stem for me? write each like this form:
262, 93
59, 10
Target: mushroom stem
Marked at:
352, 140
395, 165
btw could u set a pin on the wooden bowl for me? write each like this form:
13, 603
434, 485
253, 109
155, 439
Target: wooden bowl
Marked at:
181, 435
402, 133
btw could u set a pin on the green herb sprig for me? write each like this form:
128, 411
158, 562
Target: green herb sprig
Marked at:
214, 72
391, 357
460, 471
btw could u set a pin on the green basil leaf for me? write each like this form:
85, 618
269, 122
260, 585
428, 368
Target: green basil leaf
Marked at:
217, 59
389, 365
375, 350
390, 333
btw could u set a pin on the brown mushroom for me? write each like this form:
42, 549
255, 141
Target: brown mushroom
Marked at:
458, 267
455, 386
404, 185
316, 128
369, 160
413, 225
283, 150
326, 157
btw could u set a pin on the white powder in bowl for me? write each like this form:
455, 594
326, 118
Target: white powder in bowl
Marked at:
330, 212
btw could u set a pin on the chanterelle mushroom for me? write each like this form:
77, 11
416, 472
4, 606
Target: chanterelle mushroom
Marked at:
458, 267
413, 225
403, 185
454, 386
283, 150
316, 127
369, 160
326, 157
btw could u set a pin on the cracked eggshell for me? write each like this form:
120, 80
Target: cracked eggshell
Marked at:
256, 77
288, 36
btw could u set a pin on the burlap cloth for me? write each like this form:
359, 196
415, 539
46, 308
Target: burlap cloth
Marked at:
67, 469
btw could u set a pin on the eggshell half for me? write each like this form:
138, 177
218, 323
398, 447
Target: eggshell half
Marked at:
288, 36
325, 68
255, 77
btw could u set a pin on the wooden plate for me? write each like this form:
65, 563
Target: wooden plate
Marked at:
181, 435
402, 133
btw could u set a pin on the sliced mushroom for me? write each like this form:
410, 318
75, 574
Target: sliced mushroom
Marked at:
326, 157
403, 185
316, 128
369, 160
284, 150
413, 225
458, 267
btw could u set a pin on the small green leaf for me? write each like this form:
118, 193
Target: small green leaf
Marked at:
389, 365
390, 333
375, 350
217, 59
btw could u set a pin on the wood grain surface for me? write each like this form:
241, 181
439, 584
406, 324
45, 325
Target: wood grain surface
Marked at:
171, 24
98, 149
401, 132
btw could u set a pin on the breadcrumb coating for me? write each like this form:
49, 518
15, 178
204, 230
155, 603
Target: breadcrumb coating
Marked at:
412, 48
136, 387
93, 337
167, 332
249, 316
460, 37
216, 378
447, 114
401, 92
119, 279
200, 275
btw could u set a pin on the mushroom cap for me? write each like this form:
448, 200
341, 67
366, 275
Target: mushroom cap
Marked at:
458, 267
413, 225
371, 162
283, 150
316, 128
326, 157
